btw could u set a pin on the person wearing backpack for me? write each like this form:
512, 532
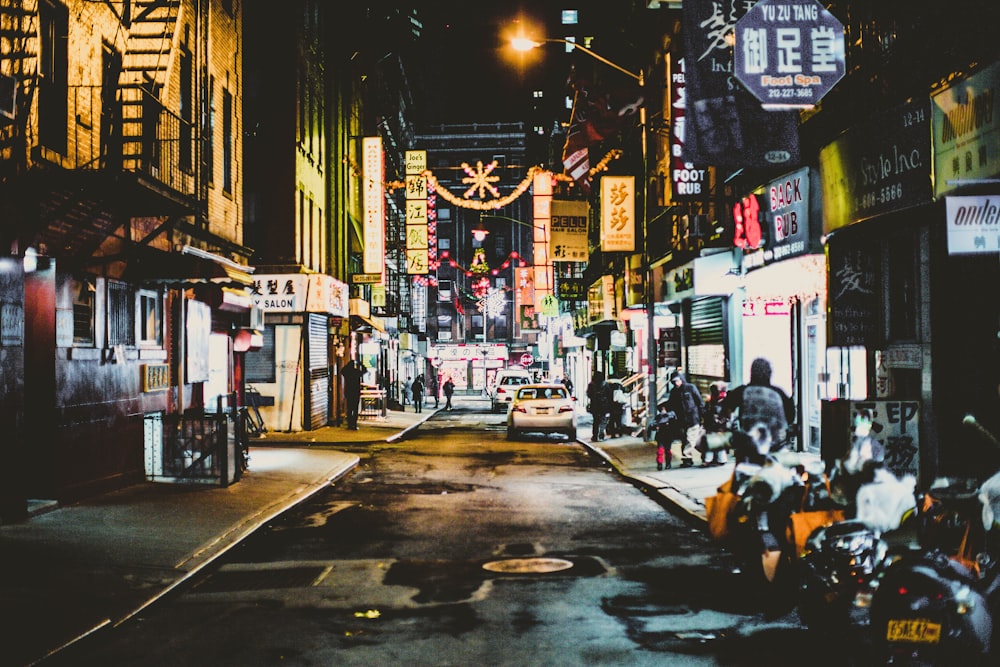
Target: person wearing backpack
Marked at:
760, 407
686, 401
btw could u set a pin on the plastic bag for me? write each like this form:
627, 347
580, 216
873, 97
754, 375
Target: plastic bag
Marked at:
883, 504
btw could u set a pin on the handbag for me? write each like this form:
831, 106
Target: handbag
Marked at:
713, 441
717, 509
802, 524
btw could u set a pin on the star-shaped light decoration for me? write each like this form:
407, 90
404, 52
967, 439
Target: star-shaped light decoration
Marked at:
480, 179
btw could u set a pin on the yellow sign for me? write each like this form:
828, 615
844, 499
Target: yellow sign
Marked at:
155, 377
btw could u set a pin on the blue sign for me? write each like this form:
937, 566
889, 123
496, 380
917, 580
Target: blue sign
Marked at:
789, 53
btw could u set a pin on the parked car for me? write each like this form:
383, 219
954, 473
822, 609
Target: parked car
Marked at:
542, 408
505, 383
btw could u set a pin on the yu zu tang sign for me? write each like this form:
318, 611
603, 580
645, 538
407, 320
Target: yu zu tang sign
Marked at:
789, 53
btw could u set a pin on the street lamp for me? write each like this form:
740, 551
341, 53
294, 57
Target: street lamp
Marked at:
526, 44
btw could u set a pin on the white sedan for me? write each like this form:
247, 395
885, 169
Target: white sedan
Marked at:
542, 408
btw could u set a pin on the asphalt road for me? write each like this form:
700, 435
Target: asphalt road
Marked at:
457, 547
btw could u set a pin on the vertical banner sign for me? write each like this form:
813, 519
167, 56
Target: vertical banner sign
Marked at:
789, 53
541, 217
853, 298
374, 229
689, 181
725, 124
618, 213
569, 230
416, 213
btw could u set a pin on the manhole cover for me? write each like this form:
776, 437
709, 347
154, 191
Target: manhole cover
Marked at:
528, 565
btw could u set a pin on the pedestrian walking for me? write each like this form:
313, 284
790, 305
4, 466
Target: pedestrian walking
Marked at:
568, 384
435, 389
407, 392
714, 443
599, 397
417, 389
352, 373
449, 389
686, 401
666, 433
616, 411
759, 406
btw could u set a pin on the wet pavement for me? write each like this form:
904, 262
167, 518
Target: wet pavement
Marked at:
69, 571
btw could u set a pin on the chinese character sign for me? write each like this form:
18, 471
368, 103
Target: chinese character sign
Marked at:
417, 243
374, 227
789, 53
618, 214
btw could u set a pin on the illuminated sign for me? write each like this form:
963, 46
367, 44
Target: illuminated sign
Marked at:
618, 214
569, 230
789, 53
374, 227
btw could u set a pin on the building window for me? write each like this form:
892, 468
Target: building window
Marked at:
53, 75
537, 94
570, 43
186, 109
84, 293
121, 314
227, 141
210, 139
150, 316
569, 102
570, 16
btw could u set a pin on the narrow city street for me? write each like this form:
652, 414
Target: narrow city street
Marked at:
457, 547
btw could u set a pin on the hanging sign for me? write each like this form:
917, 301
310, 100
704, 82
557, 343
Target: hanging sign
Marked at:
568, 230
789, 53
618, 213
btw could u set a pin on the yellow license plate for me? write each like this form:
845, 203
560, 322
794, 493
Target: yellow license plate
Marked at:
915, 630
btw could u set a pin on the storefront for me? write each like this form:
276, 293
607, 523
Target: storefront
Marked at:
294, 368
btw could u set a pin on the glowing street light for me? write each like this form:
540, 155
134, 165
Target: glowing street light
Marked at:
522, 43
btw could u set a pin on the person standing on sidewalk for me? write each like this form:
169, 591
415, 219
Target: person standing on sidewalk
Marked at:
418, 393
435, 389
352, 392
686, 401
599, 395
449, 389
666, 433
714, 443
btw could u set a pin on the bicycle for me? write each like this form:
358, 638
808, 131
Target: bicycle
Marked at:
254, 421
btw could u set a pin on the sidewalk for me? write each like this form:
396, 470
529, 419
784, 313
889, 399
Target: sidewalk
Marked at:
69, 571
635, 459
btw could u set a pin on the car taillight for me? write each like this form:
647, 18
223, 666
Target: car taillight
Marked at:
518, 408
566, 408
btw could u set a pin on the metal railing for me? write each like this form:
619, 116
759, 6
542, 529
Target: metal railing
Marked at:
135, 134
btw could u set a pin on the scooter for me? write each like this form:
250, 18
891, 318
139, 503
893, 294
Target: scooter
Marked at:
841, 564
937, 606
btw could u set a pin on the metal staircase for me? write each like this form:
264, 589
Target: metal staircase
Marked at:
18, 43
150, 35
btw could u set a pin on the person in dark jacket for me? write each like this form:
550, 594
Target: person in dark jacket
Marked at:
418, 393
449, 390
352, 392
686, 401
760, 409
599, 395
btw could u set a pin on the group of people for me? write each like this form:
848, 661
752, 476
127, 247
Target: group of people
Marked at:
749, 421
609, 405
415, 390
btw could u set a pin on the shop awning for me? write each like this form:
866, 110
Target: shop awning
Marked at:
182, 269
360, 322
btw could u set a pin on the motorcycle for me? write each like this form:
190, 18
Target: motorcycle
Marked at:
937, 606
767, 494
841, 562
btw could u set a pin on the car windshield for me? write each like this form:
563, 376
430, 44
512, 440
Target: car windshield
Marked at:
513, 379
529, 393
